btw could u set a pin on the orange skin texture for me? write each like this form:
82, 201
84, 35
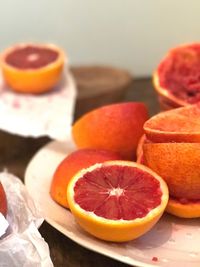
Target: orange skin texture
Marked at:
3, 201
34, 81
73, 163
178, 164
116, 127
176, 125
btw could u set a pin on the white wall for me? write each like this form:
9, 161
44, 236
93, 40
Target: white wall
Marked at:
133, 34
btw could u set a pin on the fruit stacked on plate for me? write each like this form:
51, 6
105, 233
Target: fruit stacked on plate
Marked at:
171, 148
111, 196
177, 78
32, 68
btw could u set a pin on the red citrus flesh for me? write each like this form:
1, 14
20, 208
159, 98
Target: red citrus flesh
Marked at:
31, 57
118, 192
177, 125
117, 200
179, 72
3, 201
69, 166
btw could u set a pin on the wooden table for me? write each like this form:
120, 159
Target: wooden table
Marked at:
18, 153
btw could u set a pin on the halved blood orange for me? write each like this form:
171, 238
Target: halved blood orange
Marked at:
177, 125
3, 201
32, 68
183, 208
177, 79
117, 200
71, 164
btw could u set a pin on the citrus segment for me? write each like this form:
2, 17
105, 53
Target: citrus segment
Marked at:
3, 201
73, 163
177, 125
183, 209
117, 200
32, 68
116, 127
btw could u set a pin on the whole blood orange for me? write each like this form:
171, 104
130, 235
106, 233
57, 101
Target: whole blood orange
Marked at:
117, 200
177, 79
73, 163
177, 125
3, 201
116, 127
32, 68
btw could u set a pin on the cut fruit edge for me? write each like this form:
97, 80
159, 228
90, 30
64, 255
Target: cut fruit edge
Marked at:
190, 210
100, 220
165, 93
62, 59
154, 134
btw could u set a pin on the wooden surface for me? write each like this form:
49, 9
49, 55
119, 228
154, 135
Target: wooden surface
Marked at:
17, 151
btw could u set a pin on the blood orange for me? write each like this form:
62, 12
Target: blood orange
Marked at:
176, 79
73, 163
116, 127
178, 164
177, 125
32, 68
3, 201
117, 200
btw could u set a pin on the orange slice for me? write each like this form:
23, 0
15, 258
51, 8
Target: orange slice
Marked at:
117, 200
32, 68
177, 125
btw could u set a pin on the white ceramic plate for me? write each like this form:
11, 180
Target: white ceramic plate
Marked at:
172, 242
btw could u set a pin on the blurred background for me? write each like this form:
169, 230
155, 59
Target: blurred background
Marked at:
131, 34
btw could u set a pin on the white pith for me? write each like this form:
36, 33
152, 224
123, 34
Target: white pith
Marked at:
33, 57
116, 192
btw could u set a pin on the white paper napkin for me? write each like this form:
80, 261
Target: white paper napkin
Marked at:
49, 114
21, 245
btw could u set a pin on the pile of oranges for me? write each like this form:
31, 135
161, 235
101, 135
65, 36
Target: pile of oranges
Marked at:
111, 196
